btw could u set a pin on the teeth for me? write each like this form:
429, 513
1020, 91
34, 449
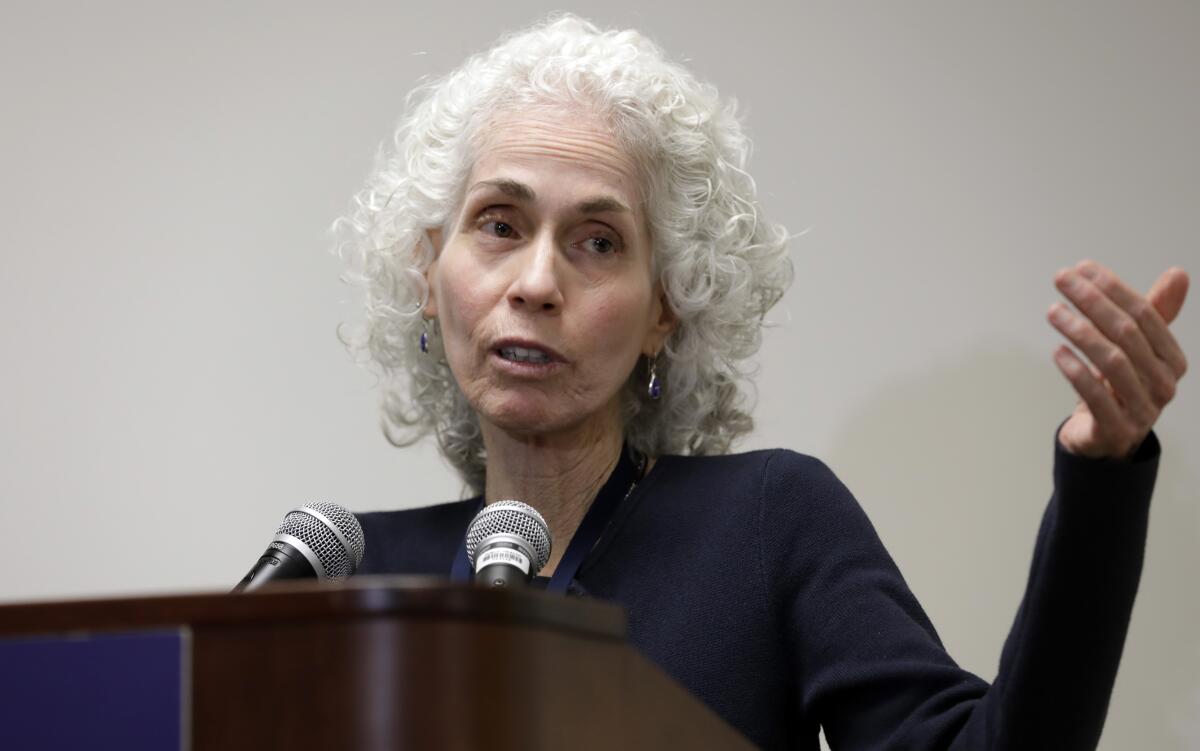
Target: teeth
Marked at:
520, 354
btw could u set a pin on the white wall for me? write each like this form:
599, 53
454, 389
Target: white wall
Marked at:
172, 381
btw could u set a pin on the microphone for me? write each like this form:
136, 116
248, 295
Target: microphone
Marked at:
508, 543
319, 540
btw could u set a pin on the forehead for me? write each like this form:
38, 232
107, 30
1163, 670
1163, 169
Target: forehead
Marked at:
563, 146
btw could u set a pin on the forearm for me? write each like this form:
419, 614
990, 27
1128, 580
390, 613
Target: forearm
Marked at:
1060, 660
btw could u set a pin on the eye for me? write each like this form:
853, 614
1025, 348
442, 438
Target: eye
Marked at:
600, 245
494, 225
597, 238
499, 229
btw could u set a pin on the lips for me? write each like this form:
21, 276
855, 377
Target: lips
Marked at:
526, 351
521, 354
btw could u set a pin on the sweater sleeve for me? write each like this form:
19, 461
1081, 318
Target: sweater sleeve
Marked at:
870, 667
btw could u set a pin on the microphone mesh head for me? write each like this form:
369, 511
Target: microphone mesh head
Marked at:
511, 518
316, 534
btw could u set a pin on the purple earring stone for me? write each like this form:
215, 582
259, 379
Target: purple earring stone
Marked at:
425, 342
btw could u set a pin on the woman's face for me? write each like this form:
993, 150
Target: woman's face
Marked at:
543, 285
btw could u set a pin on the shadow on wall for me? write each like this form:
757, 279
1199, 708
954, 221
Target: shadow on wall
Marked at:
953, 465
1160, 671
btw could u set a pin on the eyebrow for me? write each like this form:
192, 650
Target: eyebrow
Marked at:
523, 192
508, 187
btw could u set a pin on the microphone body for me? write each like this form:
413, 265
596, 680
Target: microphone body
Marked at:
508, 542
280, 561
318, 540
503, 563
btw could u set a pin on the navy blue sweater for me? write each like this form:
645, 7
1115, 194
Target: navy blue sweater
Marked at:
756, 581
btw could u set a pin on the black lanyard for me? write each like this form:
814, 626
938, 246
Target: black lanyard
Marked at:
616, 489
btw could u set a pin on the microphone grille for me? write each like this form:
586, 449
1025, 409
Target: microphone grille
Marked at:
510, 518
339, 547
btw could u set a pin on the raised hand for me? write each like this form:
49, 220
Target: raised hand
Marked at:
1135, 360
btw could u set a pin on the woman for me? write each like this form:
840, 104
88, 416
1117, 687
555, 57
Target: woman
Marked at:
563, 257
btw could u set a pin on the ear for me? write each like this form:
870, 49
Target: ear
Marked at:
663, 322
433, 243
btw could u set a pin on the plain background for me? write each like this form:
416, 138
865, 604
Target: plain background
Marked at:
172, 382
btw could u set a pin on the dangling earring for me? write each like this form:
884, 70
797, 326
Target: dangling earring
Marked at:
424, 342
654, 390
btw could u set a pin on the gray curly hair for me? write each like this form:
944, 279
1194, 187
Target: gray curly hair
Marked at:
721, 265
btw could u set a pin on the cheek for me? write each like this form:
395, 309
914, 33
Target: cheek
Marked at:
459, 290
618, 326
462, 303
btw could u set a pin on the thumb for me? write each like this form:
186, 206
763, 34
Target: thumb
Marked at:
1168, 293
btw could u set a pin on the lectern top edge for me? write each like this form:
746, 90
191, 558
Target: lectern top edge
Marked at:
358, 597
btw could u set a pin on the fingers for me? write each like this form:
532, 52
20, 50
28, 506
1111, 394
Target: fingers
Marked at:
1135, 360
1129, 322
1128, 391
1099, 400
1170, 290
1114, 344
1168, 293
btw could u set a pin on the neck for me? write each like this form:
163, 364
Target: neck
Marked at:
558, 474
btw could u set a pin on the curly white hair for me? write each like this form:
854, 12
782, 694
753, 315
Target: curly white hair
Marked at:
721, 265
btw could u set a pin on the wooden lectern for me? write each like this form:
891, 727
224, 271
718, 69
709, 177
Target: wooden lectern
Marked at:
373, 663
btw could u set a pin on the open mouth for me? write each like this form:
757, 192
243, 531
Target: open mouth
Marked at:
524, 354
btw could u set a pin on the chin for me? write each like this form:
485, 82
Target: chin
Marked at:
531, 417
518, 415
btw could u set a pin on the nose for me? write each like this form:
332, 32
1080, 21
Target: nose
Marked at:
535, 286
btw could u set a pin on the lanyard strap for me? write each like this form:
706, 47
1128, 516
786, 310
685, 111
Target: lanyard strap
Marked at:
616, 489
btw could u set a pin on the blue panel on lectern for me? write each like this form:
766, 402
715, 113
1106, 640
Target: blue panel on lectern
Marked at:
112, 691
